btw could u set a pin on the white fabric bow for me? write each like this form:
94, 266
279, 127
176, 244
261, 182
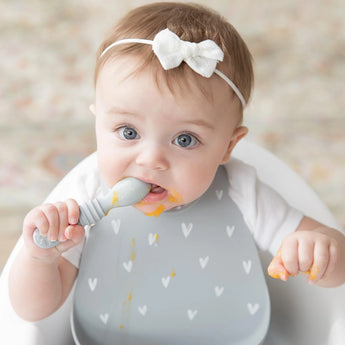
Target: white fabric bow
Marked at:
201, 57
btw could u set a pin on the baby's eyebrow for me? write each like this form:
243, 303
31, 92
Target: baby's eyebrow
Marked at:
200, 123
119, 111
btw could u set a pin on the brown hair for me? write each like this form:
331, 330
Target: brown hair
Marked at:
191, 22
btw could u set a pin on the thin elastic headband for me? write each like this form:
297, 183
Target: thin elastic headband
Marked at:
171, 51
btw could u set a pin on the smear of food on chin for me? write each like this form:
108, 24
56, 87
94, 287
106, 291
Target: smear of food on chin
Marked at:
157, 211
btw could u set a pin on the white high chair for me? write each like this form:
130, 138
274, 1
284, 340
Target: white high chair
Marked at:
301, 314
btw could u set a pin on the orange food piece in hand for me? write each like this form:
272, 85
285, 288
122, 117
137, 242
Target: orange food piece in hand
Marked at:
276, 269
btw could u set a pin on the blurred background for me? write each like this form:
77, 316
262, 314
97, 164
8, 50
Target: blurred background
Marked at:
47, 51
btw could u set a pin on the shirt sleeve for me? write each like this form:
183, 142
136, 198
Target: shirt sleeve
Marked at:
82, 183
268, 216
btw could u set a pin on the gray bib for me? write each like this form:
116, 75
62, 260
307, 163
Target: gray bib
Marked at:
188, 277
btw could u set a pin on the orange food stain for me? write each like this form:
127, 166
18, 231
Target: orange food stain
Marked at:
314, 272
114, 201
276, 268
129, 298
156, 212
278, 274
275, 275
175, 197
133, 254
156, 238
142, 203
126, 307
173, 274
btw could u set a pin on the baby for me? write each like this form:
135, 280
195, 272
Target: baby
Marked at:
171, 83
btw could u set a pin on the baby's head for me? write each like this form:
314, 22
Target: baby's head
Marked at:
170, 126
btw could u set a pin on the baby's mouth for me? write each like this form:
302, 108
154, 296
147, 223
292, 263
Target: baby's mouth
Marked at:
157, 189
156, 194
157, 197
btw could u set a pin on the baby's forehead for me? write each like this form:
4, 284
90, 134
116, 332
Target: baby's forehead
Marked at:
180, 82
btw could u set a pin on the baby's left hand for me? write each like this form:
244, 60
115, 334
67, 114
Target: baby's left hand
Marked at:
314, 253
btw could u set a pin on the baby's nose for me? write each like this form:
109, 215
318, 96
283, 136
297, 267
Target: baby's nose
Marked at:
153, 157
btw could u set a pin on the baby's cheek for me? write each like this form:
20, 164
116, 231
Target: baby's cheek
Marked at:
192, 190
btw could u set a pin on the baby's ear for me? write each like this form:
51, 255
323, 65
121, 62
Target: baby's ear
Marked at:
238, 134
92, 108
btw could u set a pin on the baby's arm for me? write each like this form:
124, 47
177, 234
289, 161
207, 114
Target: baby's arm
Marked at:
40, 279
313, 249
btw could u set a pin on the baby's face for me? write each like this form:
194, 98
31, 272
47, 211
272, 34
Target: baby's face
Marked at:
175, 141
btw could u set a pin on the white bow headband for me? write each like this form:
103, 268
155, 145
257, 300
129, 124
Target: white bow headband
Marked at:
171, 51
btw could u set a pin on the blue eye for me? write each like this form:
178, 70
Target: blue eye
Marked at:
128, 133
185, 141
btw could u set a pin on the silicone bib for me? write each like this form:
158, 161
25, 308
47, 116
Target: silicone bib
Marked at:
187, 277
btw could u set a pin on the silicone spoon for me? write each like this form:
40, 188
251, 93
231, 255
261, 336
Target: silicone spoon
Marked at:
127, 192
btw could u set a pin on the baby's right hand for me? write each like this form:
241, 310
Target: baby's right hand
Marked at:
56, 221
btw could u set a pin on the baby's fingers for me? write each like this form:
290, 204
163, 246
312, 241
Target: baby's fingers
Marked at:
49, 222
305, 255
69, 216
325, 257
74, 235
57, 216
289, 255
73, 211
